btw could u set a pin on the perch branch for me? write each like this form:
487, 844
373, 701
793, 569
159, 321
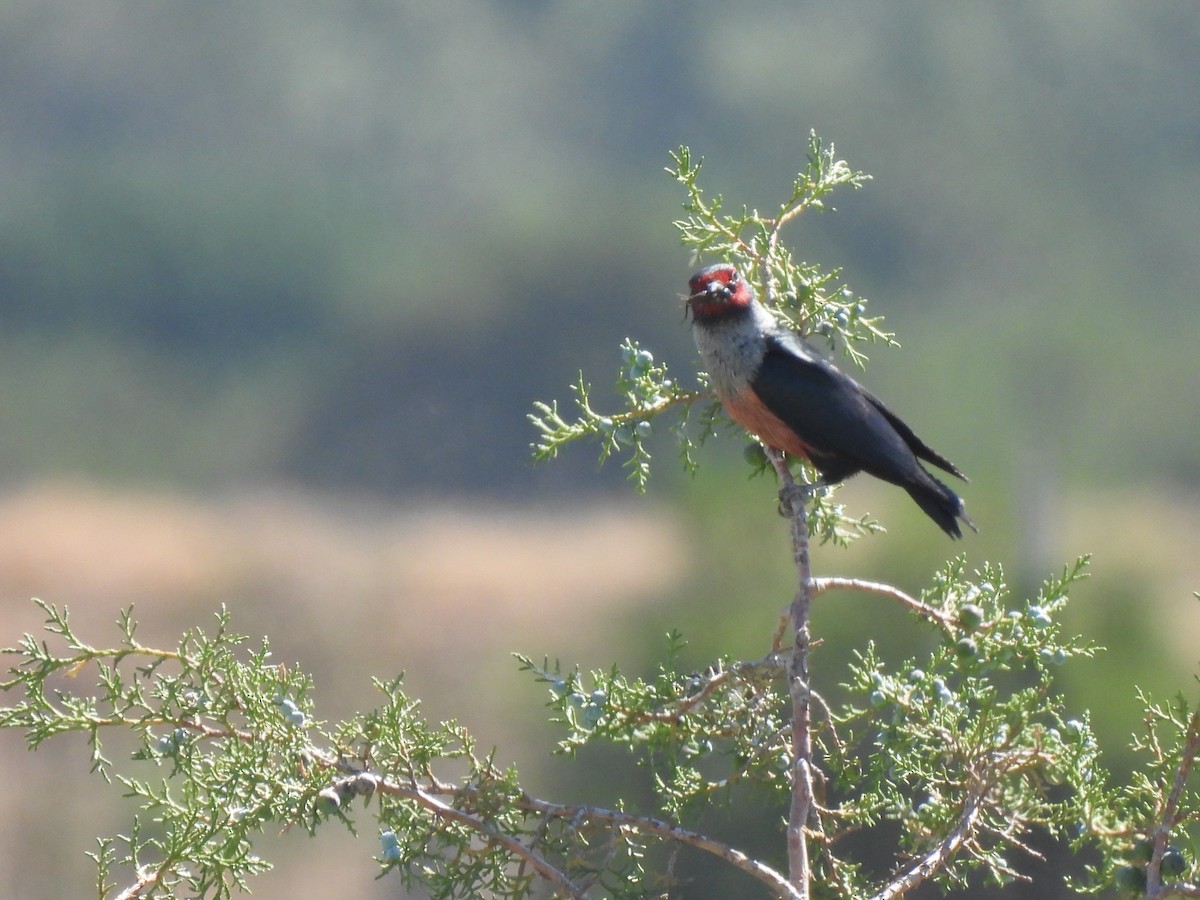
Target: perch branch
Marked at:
793, 498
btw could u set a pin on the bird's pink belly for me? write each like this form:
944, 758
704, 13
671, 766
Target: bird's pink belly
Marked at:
748, 411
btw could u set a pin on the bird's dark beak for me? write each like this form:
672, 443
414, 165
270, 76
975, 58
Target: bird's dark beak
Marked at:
711, 291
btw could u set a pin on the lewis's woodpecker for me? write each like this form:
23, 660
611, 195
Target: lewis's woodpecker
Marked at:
793, 399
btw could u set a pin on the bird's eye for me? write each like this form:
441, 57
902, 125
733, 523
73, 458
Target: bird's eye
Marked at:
734, 276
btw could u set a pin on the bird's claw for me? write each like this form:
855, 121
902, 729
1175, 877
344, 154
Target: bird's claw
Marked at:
794, 496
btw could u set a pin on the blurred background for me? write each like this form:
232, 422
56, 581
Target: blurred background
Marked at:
279, 283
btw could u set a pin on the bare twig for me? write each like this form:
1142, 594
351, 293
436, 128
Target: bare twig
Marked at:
924, 610
965, 831
1169, 817
773, 246
716, 680
1190, 748
425, 795
551, 873
939, 855
793, 498
669, 830
135, 890
366, 782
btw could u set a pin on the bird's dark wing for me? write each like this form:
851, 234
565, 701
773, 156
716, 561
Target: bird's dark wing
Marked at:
918, 446
847, 429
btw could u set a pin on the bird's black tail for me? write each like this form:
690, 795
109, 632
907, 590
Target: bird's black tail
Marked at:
940, 503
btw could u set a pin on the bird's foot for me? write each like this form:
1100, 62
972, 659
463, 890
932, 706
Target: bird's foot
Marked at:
795, 495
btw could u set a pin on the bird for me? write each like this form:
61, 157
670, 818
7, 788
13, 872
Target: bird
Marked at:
794, 400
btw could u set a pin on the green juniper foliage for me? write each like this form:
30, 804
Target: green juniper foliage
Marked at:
806, 296
954, 759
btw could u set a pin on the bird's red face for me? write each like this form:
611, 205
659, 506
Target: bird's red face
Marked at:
717, 290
